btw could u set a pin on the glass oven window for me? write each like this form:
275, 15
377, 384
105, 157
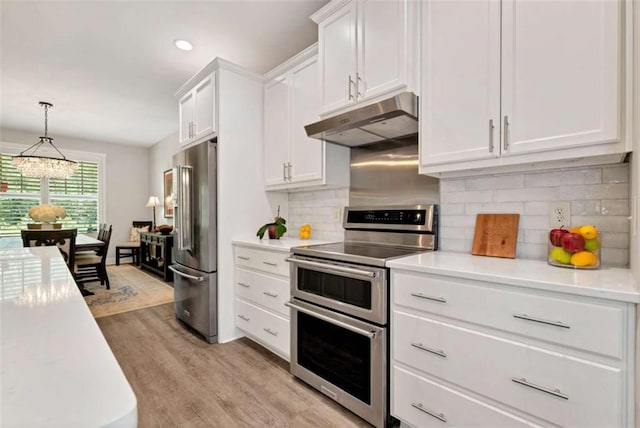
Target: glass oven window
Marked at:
356, 292
339, 356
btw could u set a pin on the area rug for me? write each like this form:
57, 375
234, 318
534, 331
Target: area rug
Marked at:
131, 289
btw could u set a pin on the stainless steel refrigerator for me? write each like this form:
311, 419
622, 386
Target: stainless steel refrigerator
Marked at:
195, 238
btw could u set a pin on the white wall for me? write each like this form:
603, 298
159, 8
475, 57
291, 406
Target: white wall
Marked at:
127, 179
159, 161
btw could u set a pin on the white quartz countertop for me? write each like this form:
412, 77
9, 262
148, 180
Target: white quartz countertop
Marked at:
606, 283
56, 368
283, 244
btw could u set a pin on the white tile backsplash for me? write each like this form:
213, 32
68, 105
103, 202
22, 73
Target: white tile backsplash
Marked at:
599, 195
322, 209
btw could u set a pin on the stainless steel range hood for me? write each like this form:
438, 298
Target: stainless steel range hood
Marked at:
388, 119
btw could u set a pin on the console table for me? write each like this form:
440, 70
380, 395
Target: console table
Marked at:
155, 253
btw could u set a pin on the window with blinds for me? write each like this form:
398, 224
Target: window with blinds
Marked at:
78, 194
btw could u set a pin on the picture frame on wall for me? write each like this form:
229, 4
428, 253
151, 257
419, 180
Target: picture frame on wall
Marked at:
168, 193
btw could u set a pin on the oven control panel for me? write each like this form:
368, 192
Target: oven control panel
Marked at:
415, 218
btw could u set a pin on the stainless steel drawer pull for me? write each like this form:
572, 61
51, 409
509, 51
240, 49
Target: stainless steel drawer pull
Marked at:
242, 317
433, 351
350, 83
505, 134
555, 392
420, 407
270, 264
423, 296
244, 258
541, 320
491, 127
267, 293
271, 332
242, 284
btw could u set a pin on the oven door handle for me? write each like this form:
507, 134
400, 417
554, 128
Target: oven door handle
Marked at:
360, 331
333, 268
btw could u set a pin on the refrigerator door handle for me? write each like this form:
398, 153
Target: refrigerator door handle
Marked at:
186, 275
184, 212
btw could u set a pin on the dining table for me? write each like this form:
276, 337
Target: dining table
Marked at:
83, 243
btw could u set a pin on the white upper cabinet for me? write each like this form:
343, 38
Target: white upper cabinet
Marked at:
276, 131
197, 111
364, 50
291, 101
461, 81
514, 82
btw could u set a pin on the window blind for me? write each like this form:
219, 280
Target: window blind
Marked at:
78, 194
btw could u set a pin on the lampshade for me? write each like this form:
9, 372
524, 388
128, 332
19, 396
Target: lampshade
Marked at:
153, 202
31, 164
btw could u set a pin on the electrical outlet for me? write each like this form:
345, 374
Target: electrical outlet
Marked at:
560, 214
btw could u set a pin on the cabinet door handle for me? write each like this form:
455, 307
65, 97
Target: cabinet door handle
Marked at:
270, 264
350, 83
271, 332
420, 407
424, 296
427, 349
284, 171
242, 317
242, 284
244, 258
267, 293
357, 82
491, 128
506, 133
541, 320
555, 392
289, 170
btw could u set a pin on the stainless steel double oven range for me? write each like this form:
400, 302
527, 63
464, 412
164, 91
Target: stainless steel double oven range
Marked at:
340, 305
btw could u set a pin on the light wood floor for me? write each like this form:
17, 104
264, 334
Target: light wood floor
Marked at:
181, 381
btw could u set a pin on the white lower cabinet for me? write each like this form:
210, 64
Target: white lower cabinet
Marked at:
262, 287
424, 403
459, 354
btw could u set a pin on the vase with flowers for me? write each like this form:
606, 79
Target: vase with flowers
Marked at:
46, 215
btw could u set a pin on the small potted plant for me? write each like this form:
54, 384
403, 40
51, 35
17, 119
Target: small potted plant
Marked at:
275, 229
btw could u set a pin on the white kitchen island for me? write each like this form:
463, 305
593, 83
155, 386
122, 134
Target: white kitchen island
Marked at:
56, 368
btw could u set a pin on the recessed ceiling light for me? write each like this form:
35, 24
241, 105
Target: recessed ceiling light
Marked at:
183, 44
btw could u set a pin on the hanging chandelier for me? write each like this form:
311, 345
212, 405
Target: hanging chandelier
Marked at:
32, 164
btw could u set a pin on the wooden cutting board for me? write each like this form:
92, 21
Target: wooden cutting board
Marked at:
496, 235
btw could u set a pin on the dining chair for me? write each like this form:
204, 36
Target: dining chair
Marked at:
64, 239
92, 266
131, 248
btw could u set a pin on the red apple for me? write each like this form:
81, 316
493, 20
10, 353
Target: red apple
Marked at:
555, 236
572, 242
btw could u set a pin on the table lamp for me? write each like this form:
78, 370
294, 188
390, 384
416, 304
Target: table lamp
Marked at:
153, 202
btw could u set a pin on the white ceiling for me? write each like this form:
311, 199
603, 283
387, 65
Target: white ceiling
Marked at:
110, 68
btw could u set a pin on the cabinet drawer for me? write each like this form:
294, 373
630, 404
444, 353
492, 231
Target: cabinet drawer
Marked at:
561, 389
267, 261
424, 403
580, 323
268, 291
269, 330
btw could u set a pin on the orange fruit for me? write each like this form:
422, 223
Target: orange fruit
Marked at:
588, 231
575, 229
584, 258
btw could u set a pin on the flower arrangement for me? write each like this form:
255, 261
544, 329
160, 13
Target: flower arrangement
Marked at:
47, 213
